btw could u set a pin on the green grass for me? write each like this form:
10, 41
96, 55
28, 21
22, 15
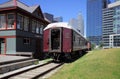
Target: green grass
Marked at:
47, 60
97, 64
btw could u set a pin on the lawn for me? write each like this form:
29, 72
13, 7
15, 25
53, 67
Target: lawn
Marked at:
97, 64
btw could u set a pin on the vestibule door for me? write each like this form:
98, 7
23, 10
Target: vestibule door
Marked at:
2, 46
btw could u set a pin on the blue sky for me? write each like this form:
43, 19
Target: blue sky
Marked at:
66, 8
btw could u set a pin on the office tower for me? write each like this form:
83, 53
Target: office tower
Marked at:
80, 23
73, 23
58, 19
94, 20
48, 17
111, 25
117, 0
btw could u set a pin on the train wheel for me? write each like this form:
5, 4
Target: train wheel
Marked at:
80, 53
68, 57
56, 57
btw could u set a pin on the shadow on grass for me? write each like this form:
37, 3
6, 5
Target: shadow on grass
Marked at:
75, 57
63, 59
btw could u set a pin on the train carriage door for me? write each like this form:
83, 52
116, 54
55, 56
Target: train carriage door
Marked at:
2, 46
55, 39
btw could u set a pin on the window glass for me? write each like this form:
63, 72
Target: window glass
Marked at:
34, 25
2, 21
37, 28
10, 19
19, 21
41, 29
26, 23
26, 41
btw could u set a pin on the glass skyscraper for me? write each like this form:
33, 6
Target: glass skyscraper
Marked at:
117, 0
111, 25
94, 20
116, 20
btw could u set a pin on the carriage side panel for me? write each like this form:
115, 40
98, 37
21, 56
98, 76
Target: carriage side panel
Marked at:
67, 38
46, 41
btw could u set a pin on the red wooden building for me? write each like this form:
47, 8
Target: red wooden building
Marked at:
21, 29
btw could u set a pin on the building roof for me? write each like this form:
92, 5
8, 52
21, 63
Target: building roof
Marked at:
13, 3
114, 4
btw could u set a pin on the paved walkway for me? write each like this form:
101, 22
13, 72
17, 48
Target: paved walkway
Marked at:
4, 58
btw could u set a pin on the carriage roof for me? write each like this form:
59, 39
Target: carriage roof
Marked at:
62, 24
58, 24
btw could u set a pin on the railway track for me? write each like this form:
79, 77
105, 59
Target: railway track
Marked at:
34, 73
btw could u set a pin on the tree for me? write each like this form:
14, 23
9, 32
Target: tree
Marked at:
101, 45
93, 46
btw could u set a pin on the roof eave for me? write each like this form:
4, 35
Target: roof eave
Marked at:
43, 20
8, 8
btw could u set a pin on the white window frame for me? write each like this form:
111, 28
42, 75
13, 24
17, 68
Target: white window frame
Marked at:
37, 28
12, 25
26, 23
41, 29
34, 26
21, 25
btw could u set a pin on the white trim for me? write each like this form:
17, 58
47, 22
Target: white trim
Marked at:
58, 24
114, 35
12, 26
111, 41
115, 4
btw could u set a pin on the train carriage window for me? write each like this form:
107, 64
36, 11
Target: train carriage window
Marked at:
79, 41
74, 37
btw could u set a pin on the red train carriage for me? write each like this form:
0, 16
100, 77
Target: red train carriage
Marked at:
61, 39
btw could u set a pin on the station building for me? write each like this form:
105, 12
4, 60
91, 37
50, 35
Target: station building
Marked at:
21, 29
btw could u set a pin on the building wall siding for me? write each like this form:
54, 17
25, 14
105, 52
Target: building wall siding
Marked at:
27, 34
21, 47
10, 45
94, 20
8, 33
